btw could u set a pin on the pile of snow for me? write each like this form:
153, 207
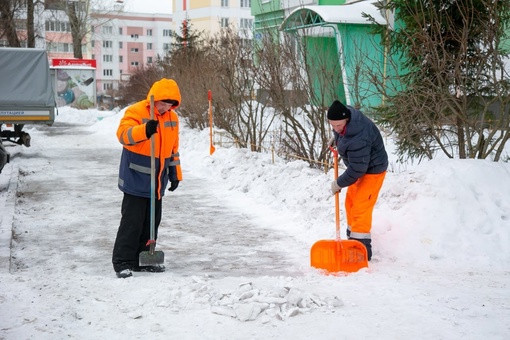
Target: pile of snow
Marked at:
441, 240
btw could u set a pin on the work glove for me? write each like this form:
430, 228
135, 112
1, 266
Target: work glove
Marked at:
335, 188
331, 142
150, 128
173, 185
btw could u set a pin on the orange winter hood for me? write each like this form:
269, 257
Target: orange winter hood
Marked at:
165, 89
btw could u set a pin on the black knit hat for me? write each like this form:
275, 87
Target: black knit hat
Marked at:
338, 111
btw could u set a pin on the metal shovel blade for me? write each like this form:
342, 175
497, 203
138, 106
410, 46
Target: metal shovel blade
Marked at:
148, 258
339, 255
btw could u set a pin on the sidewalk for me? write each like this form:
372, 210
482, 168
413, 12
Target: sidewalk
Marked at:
8, 189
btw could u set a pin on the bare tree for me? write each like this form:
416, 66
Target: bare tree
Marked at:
192, 67
139, 84
300, 88
30, 24
8, 12
83, 16
246, 120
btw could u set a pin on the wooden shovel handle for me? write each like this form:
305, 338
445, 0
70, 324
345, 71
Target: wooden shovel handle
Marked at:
337, 198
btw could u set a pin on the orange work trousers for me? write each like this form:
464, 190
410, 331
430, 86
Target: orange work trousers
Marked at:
360, 202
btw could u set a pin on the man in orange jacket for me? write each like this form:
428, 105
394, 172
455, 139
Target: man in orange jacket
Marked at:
360, 145
134, 133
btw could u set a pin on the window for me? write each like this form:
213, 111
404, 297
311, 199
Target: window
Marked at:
224, 3
107, 44
107, 86
107, 58
107, 72
149, 60
224, 22
149, 32
92, 43
56, 26
121, 59
134, 63
246, 23
60, 47
120, 30
107, 29
167, 33
245, 3
134, 50
120, 44
149, 46
166, 47
135, 36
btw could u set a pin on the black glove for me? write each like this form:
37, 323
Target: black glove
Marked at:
150, 128
173, 185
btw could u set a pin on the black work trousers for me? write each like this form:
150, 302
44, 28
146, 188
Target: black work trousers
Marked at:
134, 231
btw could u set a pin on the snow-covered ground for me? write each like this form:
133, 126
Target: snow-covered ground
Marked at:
236, 236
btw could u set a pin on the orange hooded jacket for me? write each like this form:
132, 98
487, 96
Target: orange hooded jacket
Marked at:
135, 165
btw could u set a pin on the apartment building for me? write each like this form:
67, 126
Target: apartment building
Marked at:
116, 43
125, 41
212, 15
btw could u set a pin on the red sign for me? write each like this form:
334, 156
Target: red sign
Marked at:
74, 62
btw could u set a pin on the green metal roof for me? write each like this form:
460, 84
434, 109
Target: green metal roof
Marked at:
312, 16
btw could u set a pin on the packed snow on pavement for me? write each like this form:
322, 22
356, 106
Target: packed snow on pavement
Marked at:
237, 235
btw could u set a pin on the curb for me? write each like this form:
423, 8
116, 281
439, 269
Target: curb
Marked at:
7, 220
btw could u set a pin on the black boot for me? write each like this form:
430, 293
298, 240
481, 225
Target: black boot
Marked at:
367, 243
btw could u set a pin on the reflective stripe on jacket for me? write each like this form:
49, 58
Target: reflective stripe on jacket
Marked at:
135, 162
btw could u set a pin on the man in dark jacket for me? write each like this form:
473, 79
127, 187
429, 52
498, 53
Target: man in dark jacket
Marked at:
360, 145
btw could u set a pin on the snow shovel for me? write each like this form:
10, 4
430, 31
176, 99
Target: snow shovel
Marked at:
152, 257
338, 255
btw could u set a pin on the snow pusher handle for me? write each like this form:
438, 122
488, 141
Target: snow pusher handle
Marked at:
152, 257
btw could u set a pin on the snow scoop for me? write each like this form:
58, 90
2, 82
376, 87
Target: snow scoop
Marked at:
152, 257
338, 255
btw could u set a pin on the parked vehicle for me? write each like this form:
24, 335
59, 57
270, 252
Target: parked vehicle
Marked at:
26, 95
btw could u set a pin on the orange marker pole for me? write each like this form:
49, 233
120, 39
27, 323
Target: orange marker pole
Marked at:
211, 148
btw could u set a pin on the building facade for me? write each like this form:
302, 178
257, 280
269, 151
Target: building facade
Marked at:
118, 42
124, 42
334, 33
211, 15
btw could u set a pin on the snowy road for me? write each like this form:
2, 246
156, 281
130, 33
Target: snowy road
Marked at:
202, 234
62, 212
236, 236
198, 233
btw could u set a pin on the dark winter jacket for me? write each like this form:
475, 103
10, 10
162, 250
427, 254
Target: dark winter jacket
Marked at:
361, 148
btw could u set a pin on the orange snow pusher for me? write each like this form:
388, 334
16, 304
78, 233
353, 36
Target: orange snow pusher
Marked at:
338, 255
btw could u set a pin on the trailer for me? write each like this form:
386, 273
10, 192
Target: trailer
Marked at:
26, 95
